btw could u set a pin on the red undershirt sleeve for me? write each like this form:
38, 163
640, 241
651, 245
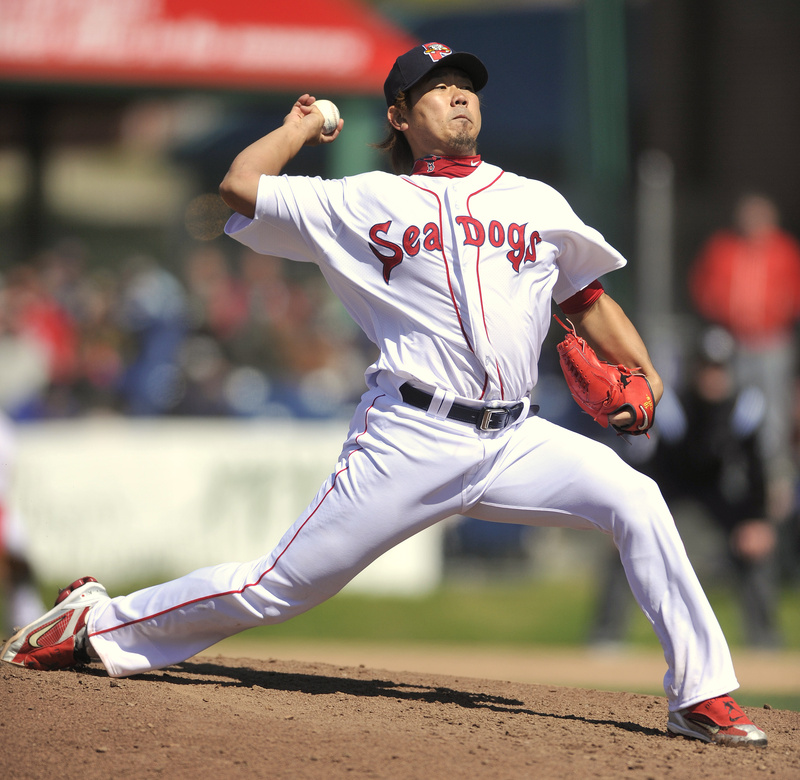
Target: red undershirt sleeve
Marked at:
584, 299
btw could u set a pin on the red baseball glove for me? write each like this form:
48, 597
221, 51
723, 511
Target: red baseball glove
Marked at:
602, 389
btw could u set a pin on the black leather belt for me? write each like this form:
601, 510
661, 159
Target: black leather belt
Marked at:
486, 418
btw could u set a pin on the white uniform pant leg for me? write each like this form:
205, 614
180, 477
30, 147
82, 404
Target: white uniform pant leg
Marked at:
392, 481
548, 476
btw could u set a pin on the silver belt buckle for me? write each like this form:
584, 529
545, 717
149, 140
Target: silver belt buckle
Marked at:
488, 412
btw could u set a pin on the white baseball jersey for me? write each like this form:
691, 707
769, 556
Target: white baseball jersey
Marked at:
452, 278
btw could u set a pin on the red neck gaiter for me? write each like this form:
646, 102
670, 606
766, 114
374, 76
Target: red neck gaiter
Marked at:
450, 167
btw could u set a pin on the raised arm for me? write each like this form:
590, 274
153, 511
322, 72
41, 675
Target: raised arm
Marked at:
301, 127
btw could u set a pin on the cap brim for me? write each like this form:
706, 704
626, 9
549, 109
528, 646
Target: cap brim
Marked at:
462, 60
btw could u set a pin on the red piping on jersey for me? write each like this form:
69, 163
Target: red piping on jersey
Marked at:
446, 264
266, 571
485, 384
480, 288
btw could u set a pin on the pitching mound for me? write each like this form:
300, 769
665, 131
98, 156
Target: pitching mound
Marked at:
217, 717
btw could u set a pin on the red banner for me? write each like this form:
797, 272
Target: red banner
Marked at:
340, 45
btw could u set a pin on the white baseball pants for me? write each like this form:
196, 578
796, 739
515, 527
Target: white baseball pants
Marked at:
400, 471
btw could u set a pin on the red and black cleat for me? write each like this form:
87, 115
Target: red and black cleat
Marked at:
57, 639
64, 592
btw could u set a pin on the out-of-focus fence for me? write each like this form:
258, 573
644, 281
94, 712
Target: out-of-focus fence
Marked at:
126, 500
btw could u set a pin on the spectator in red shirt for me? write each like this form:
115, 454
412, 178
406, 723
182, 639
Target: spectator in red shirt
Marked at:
747, 279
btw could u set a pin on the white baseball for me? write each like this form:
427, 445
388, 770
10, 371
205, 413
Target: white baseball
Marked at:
330, 113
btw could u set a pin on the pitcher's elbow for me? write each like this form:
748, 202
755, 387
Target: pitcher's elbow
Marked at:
235, 194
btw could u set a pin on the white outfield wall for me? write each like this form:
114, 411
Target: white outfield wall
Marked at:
127, 500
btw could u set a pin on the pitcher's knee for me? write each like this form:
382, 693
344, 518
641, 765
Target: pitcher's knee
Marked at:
639, 506
645, 492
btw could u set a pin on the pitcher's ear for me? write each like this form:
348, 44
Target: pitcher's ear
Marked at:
396, 119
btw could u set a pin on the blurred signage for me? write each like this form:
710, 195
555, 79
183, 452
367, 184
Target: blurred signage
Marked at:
138, 500
310, 44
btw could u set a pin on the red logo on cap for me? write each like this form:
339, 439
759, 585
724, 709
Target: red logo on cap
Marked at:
437, 51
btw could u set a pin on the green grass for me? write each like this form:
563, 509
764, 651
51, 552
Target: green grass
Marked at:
546, 613
517, 614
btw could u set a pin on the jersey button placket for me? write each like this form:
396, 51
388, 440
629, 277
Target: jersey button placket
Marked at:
463, 290
468, 259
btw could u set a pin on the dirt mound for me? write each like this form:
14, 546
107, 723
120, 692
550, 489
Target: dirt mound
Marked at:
218, 717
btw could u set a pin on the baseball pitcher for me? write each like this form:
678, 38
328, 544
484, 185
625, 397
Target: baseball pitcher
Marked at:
449, 265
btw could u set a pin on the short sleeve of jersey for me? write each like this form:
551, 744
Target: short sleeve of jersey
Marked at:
583, 255
292, 220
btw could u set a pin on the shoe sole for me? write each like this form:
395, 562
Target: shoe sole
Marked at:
677, 731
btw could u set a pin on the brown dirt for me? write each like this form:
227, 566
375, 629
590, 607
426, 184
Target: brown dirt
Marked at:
220, 717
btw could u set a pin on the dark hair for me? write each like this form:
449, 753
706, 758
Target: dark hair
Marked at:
396, 144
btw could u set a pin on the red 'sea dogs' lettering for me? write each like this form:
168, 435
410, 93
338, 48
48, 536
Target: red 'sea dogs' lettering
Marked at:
395, 256
413, 240
521, 251
522, 248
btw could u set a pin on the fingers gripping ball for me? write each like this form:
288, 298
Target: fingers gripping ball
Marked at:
329, 113
602, 389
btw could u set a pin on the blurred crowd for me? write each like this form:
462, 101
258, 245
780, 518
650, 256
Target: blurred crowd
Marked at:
209, 335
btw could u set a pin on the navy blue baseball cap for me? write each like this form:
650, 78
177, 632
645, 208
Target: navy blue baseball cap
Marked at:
414, 65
